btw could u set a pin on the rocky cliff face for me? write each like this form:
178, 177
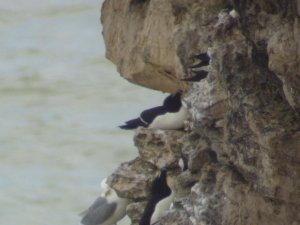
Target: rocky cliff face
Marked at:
243, 146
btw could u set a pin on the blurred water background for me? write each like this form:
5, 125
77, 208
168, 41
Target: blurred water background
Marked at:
61, 102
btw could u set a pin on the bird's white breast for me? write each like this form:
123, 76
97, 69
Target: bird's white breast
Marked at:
170, 121
161, 207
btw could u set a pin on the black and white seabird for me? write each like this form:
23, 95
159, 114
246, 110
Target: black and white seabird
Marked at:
107, 209
164, 204
159, 191
169, 116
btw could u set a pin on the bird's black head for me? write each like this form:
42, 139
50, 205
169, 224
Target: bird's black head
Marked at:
172, 103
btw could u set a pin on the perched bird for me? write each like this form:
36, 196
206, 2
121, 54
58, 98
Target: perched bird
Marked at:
198, 75
204, 60
107, 209
159, 191
164, 204
161, 207
169, 116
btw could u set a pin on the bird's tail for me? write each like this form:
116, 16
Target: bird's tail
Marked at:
132, 124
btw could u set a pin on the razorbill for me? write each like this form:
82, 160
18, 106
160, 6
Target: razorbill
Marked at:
164, 204
159, 190
107, 209
169, 116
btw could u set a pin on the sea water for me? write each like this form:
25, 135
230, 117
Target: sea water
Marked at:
61, 102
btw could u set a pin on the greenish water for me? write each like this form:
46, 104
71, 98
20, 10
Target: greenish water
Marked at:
61, 103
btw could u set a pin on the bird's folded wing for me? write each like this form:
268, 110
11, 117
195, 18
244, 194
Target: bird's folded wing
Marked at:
150, 114
98, 212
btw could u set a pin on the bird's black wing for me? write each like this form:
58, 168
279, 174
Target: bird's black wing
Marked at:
149, 115
132, 124
198, 75
98, 212
146, 117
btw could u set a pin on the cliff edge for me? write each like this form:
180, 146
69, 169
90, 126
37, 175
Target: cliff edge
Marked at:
243, 142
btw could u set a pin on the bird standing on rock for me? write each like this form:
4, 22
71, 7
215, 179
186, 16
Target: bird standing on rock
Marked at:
198, 75
159, 191
169, 116
165, 203
107, 209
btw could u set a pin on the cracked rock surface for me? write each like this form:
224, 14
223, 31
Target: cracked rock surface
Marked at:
243, 146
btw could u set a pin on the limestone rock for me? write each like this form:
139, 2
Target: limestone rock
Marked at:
175, 217
133, 179
135, 32
243, 148
284, 61
135, 211
158, 147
